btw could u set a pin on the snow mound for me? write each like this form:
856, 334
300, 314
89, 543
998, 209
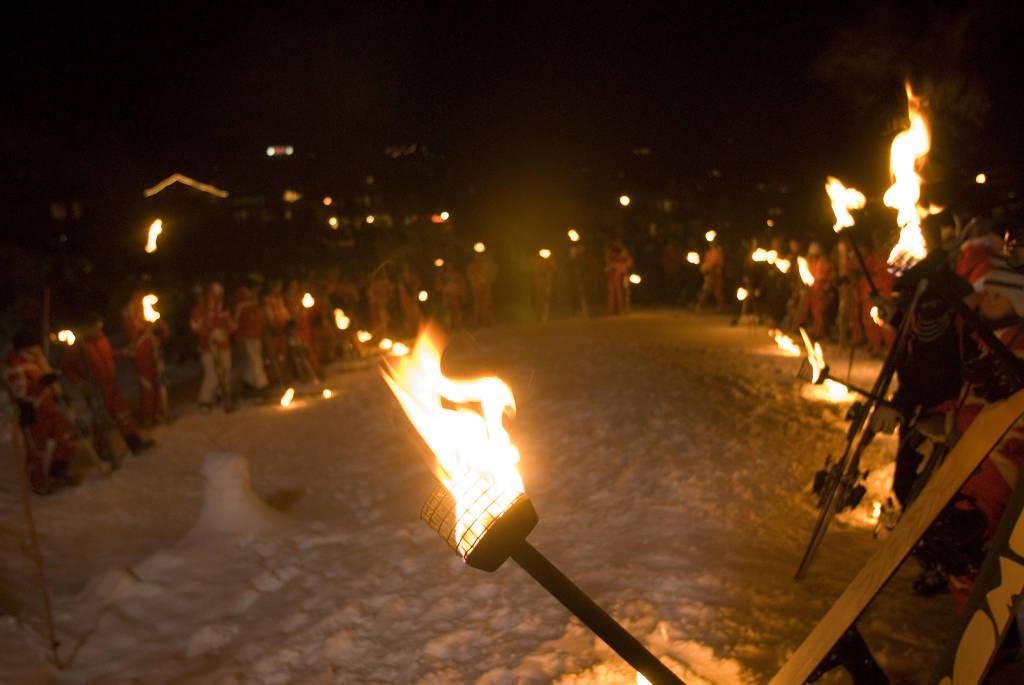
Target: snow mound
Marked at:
230, 505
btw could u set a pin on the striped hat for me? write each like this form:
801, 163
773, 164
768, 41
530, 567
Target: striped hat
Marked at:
1005, 280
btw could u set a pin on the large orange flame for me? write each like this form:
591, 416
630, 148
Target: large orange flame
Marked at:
816, 356
843, 200
906, 157
474, 455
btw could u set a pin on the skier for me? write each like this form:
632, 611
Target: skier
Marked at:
212, 325
451, 285
481, 273
542, 274
49, 436
92, 362
820, 293
275, 320
713, 268
617, 263
248, 319
145, 339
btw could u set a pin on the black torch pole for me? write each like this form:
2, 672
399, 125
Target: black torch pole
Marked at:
863, 265
595, 618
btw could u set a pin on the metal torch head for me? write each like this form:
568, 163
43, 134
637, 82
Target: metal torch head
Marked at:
806, 373
488, 546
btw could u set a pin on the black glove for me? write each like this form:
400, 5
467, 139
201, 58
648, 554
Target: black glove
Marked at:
26, 414
991, 379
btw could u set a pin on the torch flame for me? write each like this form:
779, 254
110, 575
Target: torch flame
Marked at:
759, 255
66, 337
783, 265
742, 294
906, 156
308, 301
341, 320
400, 350
710, 236
364, 336
474, 456
843, 200
837, 392
876, 317
149, 313
574, 235
693, 258
544, 253
386, 344
287, 397
635, 279
155, 229
327, 393
805, 271
785, 343
423, 296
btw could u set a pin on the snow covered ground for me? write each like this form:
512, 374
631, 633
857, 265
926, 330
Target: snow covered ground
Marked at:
669, 456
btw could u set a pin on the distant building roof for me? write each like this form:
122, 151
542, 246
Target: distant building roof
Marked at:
181, 178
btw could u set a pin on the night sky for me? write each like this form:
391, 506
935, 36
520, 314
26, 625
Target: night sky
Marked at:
511, 90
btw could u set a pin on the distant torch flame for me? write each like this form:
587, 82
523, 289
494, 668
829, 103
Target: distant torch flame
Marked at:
783, 265
438, 262
479, 248
149, 312
400, 350
742, 294
308, 301
785, 343
805, 271
155, 229
364, 336
341, 320
635, 279
386, 344
327, 393
837, 392
461, 422
66, 337
287, 397
544, 253
423, 296
877, 317
906, 156
574, 235
693, 258
710, 236
843, 201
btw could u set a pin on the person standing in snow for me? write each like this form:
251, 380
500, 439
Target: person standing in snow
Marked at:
145, 339
542, 275
819, 295
91, 363
275, 322
617, 263
212, 325
713, 268
248, 320
481, 273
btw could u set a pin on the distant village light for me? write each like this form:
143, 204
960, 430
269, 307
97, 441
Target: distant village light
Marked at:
370, 218
328, 200
981, 179
333, 221
438, 262
770, 223
445, 216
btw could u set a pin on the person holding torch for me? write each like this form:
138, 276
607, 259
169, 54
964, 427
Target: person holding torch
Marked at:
145, 332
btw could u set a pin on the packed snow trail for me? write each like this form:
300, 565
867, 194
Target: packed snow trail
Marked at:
668, 455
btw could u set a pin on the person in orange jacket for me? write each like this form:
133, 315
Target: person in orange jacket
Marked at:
275, 321
91, 361
48, 434
617, 263
248, 319
144, 343
212, 325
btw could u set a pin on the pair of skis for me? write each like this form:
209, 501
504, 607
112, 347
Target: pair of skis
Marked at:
844, 474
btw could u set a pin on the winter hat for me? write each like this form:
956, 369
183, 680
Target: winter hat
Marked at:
1006, 281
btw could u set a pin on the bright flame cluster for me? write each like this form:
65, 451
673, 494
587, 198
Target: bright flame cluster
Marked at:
341, 320
843, 201
474, 455
906, 156
805, 271
155, 229
149, 312
785, 343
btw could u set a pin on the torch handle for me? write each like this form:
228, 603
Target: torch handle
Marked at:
863, 264
593, 616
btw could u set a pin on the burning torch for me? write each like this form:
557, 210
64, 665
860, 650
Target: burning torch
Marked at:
481, 508
819, 372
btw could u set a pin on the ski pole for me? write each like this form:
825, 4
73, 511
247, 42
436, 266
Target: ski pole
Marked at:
20, 460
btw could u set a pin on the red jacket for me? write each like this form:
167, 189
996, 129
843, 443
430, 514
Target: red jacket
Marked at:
23, 371
212, 326
91, 360
248, 314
